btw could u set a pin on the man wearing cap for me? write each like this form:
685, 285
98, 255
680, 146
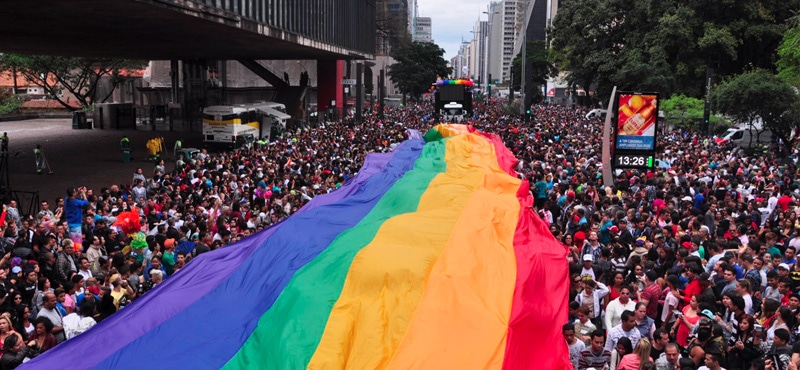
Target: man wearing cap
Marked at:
588, 269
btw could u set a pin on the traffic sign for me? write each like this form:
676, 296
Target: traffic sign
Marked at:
348, 82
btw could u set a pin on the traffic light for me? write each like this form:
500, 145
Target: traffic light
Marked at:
528, 115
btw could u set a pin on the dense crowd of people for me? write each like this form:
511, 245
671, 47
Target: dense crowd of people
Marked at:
690, 265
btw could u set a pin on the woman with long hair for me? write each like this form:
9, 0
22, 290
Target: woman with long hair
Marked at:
641, 354
743, 350
617, 282
734, 309
24, 325
685, 322
769, 312
623, 348
106, 307
7, 328
782, 319
42, 287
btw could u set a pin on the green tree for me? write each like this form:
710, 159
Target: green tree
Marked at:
686, 111
664, 46
683, 110
77, 76
759, 94
538, 69
9, 102
789, 54
417, 66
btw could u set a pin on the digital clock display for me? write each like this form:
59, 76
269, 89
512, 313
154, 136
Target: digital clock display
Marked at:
633, 161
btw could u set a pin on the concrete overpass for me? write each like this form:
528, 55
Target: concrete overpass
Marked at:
190, 29
202, 34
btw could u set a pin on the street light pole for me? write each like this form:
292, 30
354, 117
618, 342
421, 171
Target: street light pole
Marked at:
523, 86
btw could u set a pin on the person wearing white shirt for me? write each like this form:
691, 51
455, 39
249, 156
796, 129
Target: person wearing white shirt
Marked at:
743, 287
593, 292
616, 307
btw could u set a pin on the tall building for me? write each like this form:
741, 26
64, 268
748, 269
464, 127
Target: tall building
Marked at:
477, 66
412, 19
494, 44
531, 26
423, 33
460, 62
507, 33
392, 23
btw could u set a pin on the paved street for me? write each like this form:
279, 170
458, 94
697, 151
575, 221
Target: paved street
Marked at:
90, 158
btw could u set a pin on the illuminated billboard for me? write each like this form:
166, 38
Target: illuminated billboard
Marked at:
637, 119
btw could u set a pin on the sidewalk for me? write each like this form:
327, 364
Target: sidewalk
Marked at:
90, 158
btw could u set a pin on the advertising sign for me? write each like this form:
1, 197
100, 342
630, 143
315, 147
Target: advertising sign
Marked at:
636, 121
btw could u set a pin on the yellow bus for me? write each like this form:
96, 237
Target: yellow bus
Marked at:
237, 125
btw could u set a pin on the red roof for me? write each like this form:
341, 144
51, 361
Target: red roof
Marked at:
49, 104
7, 80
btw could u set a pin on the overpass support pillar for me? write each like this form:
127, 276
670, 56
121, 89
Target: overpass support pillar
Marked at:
329, 86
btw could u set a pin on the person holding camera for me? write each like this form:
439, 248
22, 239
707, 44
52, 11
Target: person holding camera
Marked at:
744, 348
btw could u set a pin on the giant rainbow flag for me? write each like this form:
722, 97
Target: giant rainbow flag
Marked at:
430, 258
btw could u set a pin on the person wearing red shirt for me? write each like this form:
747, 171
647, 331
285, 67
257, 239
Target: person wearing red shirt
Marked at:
784, 201
650, 295
694, 287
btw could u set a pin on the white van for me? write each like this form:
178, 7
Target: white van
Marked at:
596, 113
744, 137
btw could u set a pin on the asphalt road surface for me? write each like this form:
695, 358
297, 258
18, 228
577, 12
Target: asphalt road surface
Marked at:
90, 158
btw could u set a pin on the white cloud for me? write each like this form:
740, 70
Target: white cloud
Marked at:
452, 20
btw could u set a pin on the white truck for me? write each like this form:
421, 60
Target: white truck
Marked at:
453, 112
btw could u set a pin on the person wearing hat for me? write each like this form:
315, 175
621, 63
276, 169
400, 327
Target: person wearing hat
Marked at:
588, 270
641, 247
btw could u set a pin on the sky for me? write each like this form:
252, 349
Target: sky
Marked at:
452, 20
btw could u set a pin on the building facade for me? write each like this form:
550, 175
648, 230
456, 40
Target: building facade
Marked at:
423, 33
479, 52
460, 62
502, 33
